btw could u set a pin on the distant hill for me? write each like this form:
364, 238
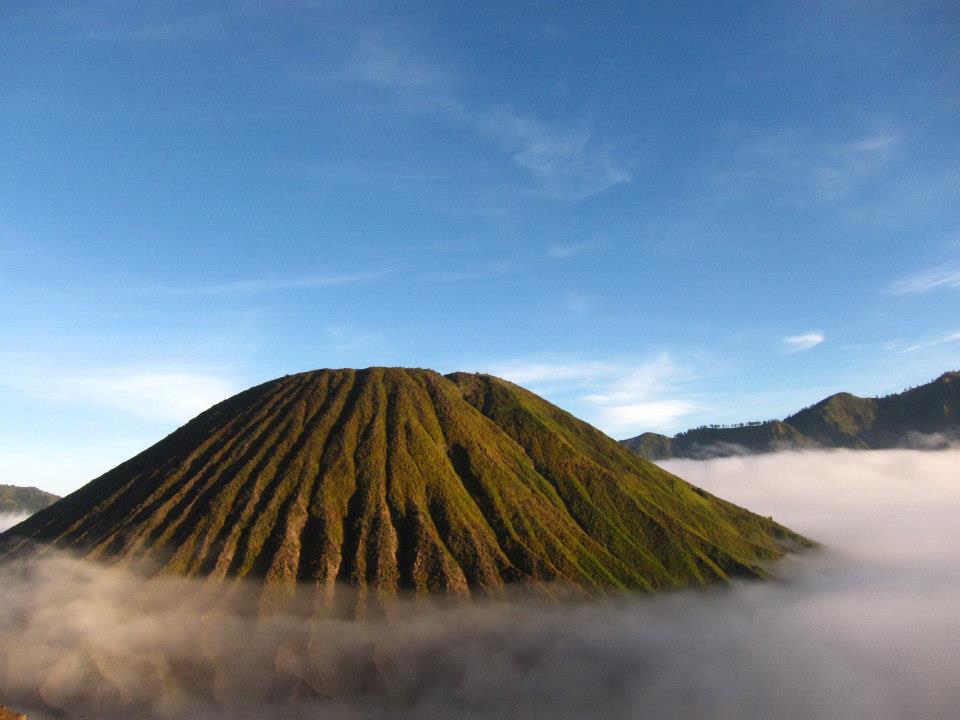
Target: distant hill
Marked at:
395, 478
927, 416
15, 500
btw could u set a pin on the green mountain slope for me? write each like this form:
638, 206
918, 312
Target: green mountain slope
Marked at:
391, 478
925, 416
16, 500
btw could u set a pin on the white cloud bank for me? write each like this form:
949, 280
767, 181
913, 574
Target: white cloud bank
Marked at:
617, 397
529, 373
804, 341
866, 629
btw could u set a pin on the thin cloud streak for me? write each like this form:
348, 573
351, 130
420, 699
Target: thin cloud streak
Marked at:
944, 339
805, 341
943, 277
346, 339
562, 252
254, 287
486, 270
96, 23
388, 61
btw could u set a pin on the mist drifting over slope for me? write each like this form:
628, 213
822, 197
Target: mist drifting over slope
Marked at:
866, 628
8, 520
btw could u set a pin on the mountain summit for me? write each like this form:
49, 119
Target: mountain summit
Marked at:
392, 478
927, 416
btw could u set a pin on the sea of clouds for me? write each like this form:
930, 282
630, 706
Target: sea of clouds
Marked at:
868, 627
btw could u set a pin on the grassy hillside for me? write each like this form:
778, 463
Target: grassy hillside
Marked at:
391, 478
925, 416
16, 500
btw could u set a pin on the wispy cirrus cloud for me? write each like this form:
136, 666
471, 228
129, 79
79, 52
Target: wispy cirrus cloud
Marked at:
495, 268
579, 304
568, 163
566, 160
348, 339
943, 339
116, 22
257, 286
809, 169
563, 252
617, 396
388, 59
804, 341
941, 277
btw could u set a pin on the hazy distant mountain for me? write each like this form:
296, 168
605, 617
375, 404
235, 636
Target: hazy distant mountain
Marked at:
927, 416
15, 500
392, 478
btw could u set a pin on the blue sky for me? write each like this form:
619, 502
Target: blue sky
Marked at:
656, 215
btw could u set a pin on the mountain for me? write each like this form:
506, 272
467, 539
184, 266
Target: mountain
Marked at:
15, 500
927, 416
393, 478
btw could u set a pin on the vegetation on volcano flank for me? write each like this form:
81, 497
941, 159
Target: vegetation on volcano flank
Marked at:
392, 478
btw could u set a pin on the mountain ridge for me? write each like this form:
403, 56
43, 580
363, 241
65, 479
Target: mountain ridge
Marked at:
925, 416
16, 499
393, 478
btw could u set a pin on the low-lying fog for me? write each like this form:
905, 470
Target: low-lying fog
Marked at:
867, 628
8, 520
